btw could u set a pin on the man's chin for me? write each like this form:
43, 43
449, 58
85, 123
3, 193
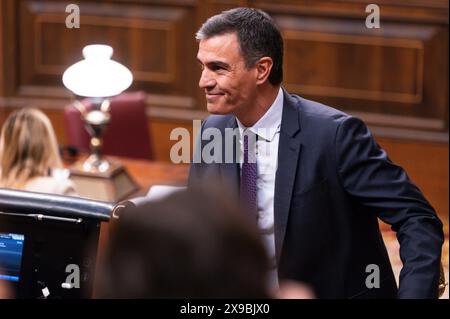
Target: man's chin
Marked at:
216, 109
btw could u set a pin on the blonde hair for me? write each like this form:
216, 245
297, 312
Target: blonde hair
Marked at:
28, 148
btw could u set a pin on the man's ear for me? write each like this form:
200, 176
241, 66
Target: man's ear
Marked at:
263, 68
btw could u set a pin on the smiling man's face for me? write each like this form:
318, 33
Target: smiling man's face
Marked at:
230, 88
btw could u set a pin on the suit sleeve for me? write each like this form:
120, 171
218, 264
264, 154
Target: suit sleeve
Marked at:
384, 188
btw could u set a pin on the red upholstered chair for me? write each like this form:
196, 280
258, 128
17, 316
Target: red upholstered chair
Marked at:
127, 134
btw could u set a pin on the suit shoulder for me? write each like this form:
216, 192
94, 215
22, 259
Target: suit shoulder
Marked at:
317, 111
317, 119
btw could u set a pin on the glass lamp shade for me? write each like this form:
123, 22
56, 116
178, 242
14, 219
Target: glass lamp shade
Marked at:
97, 75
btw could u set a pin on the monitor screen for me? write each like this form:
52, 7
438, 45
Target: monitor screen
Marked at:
11, 248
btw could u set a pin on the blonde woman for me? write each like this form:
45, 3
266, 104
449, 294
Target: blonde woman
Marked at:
29, 155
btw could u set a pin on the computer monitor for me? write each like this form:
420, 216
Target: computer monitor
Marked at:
11, 250
48, 243
34, 255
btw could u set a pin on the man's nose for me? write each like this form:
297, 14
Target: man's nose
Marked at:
206, 79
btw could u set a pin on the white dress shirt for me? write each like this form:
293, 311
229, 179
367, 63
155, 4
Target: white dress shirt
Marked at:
267, 130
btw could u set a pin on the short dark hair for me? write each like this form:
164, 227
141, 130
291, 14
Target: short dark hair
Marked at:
192, 244
257, 34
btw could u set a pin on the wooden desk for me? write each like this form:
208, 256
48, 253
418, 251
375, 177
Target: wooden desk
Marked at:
145, 174
148, 173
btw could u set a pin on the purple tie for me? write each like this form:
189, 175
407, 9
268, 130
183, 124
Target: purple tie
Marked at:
249, 175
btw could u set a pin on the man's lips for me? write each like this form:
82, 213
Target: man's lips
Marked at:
213, 96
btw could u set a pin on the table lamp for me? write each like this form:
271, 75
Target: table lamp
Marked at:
98, 78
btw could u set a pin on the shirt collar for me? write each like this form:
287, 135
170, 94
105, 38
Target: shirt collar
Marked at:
269, 124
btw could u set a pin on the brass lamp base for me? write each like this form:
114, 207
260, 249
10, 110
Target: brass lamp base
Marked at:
112, 184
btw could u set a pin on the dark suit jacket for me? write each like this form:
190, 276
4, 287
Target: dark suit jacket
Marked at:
332, 183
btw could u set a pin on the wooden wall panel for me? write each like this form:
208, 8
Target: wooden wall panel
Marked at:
385, 74
394, 78
427, 165
150, 40
213, 7
424, 11
368, 65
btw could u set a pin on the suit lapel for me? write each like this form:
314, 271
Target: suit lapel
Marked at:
288, 155
230, 172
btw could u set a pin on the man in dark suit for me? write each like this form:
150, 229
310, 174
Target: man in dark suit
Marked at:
321, 180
